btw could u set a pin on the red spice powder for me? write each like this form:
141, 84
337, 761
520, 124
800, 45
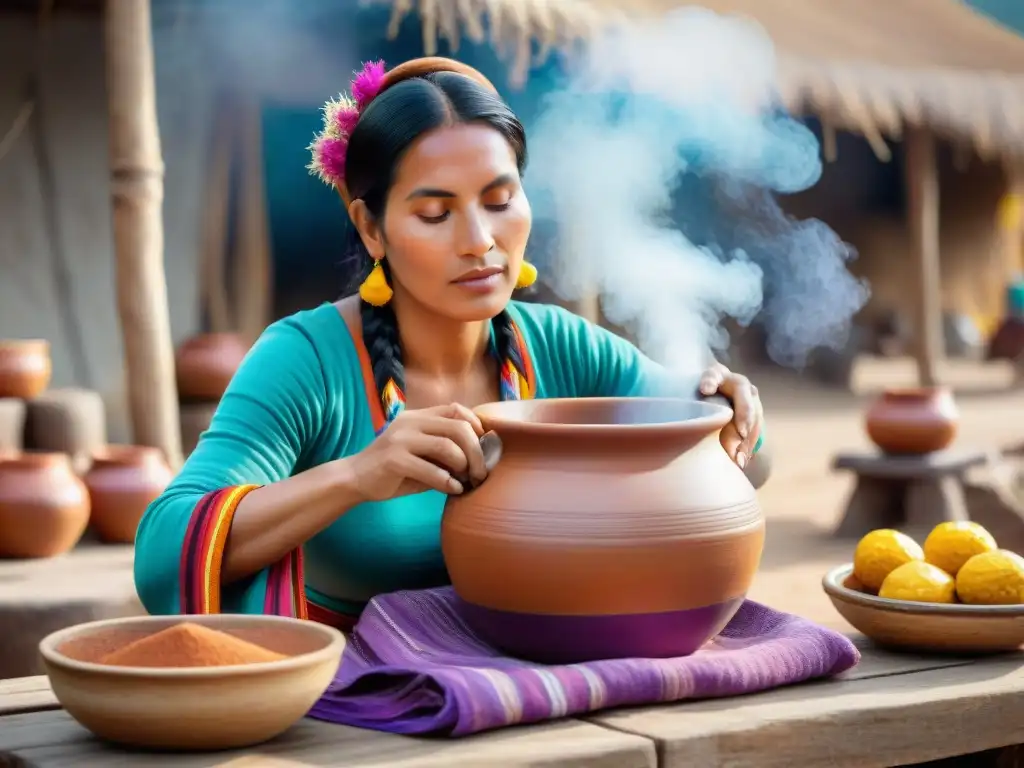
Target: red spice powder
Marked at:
189, 645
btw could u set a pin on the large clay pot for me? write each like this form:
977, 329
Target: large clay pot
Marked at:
913, 421
123, 481
205, 364
610, 528
44, 507
25, 368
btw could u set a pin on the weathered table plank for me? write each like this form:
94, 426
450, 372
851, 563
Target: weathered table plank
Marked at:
741, 732
876, 661
26, 694
53, 739
874, 722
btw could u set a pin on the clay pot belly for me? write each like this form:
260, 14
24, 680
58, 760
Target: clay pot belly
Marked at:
44, 507
123, 481
913, 421
588, 546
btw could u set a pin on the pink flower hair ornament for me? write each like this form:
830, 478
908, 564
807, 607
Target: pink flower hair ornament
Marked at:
341, 115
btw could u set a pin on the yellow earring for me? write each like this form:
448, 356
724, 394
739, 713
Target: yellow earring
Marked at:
375, 289
527, 275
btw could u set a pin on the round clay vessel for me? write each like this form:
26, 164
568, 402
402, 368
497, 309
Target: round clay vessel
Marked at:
205, 364
44, 507
611, 528
25, 368
913, 421
123, 481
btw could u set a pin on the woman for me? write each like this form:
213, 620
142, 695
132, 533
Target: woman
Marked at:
321, 480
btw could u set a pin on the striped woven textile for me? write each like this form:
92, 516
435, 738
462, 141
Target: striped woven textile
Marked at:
413, 666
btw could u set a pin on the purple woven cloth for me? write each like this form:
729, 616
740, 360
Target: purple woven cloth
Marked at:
413, 666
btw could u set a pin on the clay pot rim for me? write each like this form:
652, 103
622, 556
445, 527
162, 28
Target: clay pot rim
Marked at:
121, 454
199, 339
34, 459
834, 585
335, 645
24, 345
491, 414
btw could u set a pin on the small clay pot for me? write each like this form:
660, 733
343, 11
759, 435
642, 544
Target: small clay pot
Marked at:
205, 364
123, 481
44, 507
913, 421
25, 368
610, 528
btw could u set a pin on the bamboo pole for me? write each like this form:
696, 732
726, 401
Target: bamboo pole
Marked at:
252, 262
137, 179
922, 180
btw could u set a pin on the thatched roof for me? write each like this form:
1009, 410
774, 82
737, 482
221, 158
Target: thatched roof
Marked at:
866, 65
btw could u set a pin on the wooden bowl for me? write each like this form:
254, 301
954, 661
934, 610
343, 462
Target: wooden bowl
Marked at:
931, 627
199, 708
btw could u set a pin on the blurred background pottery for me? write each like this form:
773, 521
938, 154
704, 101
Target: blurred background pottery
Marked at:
205, 363
913, 421
610, 528
123, 481
44, 507
25, 368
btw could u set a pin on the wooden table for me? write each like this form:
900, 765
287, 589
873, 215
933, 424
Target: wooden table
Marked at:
891, 710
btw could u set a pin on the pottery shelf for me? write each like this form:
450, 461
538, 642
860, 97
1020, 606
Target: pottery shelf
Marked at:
12, 424
37, 597
71, 421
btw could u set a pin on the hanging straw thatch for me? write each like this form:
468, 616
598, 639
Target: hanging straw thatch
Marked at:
872, 66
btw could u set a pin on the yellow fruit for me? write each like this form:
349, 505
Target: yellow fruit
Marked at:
992, 578
881, 552
950, 545
919, 582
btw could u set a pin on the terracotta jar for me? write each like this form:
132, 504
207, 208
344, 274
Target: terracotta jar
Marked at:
25, 368
205, 364
123, 481
913, 421
44, 507
610, 528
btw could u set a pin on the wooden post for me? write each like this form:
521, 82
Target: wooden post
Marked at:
252, 263
137, 178
922, 184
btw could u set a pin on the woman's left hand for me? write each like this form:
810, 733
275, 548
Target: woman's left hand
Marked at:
740, 436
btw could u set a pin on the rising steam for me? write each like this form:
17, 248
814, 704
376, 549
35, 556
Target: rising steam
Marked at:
658, 162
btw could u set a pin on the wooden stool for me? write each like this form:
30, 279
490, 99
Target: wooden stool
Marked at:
905, 491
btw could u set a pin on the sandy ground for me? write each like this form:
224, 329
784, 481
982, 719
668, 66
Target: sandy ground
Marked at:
808, 424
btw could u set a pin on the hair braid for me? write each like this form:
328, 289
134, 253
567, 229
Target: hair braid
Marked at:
380, 334
509, 353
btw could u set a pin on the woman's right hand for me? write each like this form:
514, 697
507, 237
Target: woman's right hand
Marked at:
421, 450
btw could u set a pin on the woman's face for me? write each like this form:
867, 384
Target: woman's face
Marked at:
456, 223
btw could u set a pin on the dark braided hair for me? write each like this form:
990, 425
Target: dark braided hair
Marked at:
386, 129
